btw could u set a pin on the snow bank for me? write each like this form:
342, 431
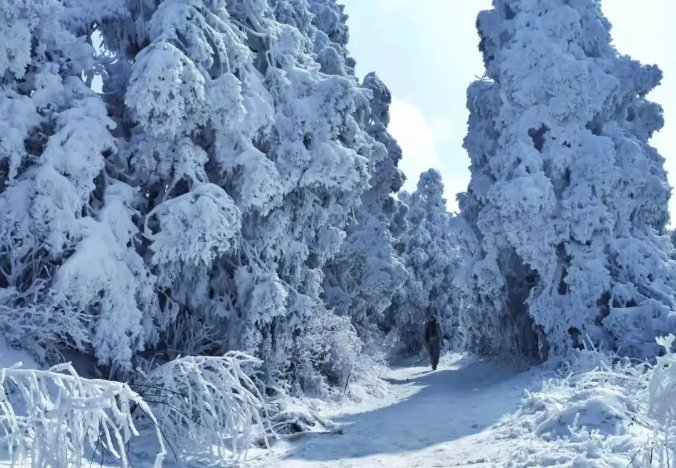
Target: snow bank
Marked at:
601, 412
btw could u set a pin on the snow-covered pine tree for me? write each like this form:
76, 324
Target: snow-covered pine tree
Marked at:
70, 276
362, 279
432, 255
567, 198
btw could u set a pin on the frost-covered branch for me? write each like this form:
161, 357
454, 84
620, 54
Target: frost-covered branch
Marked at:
205, 403
662, 392
56, 418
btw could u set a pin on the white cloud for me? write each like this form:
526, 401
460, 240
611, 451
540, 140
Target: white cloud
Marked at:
416, 138
419, 140
442, 129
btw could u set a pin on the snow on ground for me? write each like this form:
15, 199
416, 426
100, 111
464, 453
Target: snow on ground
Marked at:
439, 418
476, 412
480, 413
10, 356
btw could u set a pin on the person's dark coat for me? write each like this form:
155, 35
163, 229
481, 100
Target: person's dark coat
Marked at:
433, 340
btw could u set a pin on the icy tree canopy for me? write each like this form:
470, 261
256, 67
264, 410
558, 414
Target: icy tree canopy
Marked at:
193, 204
567, 198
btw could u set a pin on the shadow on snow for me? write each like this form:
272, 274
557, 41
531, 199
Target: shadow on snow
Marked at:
449, 404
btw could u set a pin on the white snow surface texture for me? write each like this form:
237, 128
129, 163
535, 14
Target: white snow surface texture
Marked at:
474, 412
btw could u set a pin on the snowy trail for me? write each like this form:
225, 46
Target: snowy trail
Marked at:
441, 418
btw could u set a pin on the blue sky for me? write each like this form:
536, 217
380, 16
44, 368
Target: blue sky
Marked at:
426, 52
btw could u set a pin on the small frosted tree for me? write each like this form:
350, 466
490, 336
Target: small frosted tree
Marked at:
567, 199
431, 255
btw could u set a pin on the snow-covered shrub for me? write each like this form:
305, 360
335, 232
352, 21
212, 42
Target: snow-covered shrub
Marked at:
330, 353
53, 417
207, 406
289, 416
567, 198
662, 389
661, 396
591, 413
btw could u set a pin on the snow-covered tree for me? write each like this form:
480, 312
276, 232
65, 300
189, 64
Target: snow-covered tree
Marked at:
191, 205
69, 273
567, 199
362, 279
432, 255
240, 123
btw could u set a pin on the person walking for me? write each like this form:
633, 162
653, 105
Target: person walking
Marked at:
433, 339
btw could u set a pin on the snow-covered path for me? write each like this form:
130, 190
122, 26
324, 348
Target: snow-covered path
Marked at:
440, 418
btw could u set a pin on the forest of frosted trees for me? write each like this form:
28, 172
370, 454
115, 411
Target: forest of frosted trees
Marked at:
206, 199
185, 179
